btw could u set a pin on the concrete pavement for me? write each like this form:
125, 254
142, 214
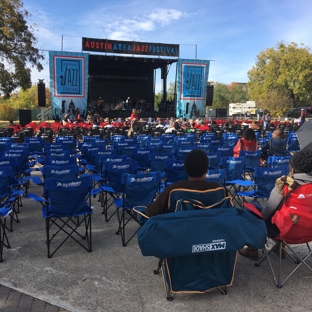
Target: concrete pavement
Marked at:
117, 278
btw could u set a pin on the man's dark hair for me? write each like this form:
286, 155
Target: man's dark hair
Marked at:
196, 163
301, 161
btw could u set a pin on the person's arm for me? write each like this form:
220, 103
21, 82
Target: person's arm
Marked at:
266, 147
272, 203
160, 204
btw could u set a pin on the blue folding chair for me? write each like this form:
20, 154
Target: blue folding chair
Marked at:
168, 138
168, 148
141, 156
252, 161
206, 147
5, 211
265, 179
137, 190
198, 246
235, 181
157, 161
174, 171
216, 175
229, 139
71, 217
113, 188
277, 161
214, 159
182, 152
226, 151
10, 193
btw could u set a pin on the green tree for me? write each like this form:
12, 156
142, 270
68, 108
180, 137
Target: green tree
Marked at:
27, 99
171, 91
283, 73
17, 47
220, 95
238, 92
7, 112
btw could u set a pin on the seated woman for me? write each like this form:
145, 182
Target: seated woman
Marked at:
276, 146
289, 191
248, 142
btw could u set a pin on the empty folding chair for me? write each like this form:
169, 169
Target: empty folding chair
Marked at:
174, 171
264, 182
5, 210
137, 190
113, 188
216, 175
70, 218
182, 152
277, 161
226, 151
252, 161
214, 159
141, 156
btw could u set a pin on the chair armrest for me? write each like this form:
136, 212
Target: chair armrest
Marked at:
37, 198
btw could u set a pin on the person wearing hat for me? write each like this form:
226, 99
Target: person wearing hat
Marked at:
196, 165
293, 190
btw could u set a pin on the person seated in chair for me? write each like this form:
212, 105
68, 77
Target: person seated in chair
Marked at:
196, 165
276, 146
289, 191
248, 142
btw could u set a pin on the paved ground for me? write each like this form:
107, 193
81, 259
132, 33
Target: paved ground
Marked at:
116, 278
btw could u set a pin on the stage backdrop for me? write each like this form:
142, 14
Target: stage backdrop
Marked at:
68, 83
191, 88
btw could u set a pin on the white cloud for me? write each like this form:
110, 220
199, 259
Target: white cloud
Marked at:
164, 17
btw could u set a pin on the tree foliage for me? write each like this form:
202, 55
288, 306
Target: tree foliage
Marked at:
17, 47
7, 112
224, 94
27, 99
282, 77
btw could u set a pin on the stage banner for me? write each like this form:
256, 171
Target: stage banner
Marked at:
191, 87
68, 83
130, 47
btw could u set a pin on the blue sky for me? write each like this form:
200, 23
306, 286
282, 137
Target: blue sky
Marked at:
231, 33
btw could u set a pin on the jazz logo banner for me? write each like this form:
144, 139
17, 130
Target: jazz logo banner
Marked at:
68, 84
191, 87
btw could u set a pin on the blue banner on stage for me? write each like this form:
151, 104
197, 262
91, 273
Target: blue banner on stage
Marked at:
191, 88
68, 83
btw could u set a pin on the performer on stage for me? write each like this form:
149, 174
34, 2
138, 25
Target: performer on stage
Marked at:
134, 116
99, 104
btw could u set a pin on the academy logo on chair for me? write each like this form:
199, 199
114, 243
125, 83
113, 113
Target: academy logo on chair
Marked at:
70, 184
213, 246
177, 165
60, 162
140, 180
59, 172
279, 172
120, 166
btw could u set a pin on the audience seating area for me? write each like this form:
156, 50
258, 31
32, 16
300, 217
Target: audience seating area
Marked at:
104, 160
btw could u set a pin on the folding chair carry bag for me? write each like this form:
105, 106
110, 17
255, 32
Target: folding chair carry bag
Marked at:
200, 245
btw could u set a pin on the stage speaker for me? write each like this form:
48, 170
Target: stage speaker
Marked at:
24, 116
209, 95
41, 94
163, 72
